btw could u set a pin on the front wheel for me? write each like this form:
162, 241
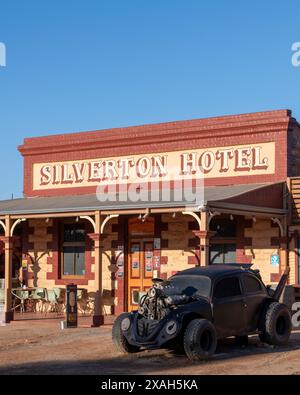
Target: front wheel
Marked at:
118, 337
275, 324
200, 340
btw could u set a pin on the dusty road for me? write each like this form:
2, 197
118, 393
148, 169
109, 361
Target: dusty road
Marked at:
42, 348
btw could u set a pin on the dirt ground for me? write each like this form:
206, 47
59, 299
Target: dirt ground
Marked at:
41, 347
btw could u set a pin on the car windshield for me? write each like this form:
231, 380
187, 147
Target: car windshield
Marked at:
191, 285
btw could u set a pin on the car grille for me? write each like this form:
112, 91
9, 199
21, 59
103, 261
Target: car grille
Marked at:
146, 327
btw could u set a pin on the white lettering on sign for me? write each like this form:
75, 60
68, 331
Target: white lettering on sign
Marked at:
212, 163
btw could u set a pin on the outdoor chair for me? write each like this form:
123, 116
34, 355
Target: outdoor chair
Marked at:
19, 300
60, 294
1, 295
82, 300
51, 301
38, 297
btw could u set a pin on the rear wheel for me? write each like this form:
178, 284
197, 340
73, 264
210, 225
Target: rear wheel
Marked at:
118, 337
275, 326
200, 340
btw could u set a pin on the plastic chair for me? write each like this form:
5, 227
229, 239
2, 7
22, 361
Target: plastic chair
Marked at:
82, 300
51, 301
38, 296
60, 294
1, 295
21, 296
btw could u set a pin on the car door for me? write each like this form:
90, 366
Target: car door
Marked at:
228, 307
255, 294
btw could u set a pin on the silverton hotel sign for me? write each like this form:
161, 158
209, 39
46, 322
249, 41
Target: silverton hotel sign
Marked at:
178, 165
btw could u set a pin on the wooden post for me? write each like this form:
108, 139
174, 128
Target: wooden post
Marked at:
8, 243
204, 235
98, 317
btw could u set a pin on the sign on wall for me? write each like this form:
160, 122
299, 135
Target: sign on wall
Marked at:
275, 260
214, 162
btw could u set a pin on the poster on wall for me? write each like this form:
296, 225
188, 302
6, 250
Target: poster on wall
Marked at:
120, 273
119, 258
156, 262
149, 266
275, 260
157, 243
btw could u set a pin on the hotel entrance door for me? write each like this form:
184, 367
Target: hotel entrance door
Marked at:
140, 270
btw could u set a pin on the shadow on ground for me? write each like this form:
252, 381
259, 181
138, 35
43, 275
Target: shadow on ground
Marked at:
146, 362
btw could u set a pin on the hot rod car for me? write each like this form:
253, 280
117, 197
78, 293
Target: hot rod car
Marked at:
198, 306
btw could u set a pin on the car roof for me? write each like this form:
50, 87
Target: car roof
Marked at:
214, 271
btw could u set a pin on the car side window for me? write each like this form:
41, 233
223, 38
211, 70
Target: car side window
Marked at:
251, 284
227, 287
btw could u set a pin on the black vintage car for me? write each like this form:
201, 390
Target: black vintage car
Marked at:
198, 306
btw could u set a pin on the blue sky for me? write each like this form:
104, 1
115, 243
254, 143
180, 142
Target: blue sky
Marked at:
86, 65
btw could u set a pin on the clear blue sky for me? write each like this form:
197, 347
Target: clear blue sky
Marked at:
86, 65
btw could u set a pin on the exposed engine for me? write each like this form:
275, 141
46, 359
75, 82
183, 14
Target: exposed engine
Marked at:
159, 299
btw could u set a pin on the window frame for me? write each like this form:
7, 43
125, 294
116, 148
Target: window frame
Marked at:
64, 244
262, 289
227, 297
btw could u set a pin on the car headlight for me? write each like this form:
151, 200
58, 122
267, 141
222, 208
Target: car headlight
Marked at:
171, 327
125, 324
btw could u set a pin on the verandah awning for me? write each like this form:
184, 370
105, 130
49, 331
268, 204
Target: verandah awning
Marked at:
258, 198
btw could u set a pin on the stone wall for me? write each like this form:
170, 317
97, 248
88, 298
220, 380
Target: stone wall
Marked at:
261, 233
177, 248
37, 252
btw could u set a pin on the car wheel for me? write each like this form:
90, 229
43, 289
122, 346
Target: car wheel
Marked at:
119, 339
200, 340
241, 341
275, 327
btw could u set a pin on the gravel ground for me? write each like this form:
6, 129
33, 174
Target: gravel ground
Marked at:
41, 347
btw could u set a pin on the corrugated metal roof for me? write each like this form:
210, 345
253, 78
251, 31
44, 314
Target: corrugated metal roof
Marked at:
75, 203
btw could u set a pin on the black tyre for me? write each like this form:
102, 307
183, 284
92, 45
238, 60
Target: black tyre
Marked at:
200, 340
241, 341
275, 324
119, 339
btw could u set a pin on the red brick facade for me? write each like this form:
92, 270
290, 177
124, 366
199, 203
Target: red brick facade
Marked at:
165, 137
274, 126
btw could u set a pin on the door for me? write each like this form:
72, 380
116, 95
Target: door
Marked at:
140, 270
254, 296
229, 307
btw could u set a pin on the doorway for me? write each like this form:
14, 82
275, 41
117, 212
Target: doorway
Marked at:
140, 270
139, 259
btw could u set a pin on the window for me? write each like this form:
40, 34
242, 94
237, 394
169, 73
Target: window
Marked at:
228, 287
223, 243
222, 254
251, 284
73, 250
224, 227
